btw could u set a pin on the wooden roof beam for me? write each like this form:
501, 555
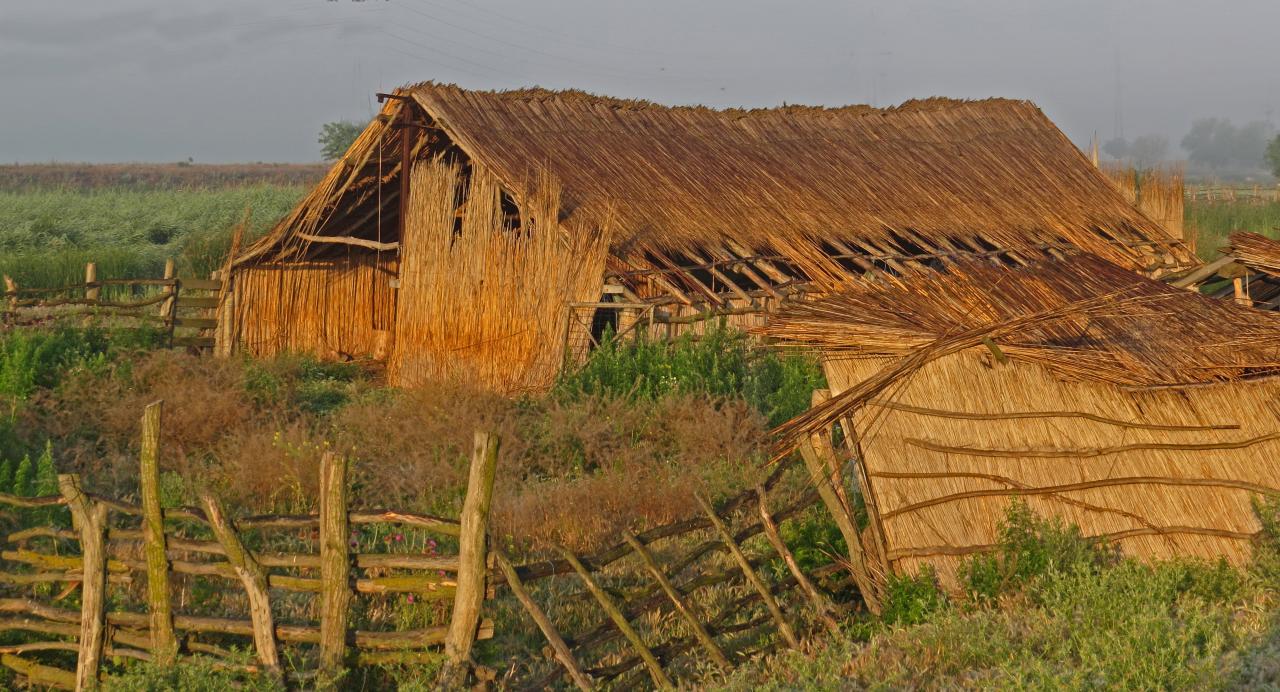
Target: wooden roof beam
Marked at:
764, 265
689, 278
733, 286
745, 267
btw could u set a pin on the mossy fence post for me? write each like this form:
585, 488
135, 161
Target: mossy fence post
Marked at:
472, 558
164, 644
90, 519
335, 567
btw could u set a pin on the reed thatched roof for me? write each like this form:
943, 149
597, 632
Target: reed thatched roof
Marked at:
817, 192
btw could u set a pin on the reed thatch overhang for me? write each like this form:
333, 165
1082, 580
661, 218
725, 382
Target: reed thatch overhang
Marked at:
1143, 413
703, 203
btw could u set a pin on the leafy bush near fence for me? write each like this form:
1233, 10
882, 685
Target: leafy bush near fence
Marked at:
722, 362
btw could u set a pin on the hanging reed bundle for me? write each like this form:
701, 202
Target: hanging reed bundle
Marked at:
1255, 251
483, 301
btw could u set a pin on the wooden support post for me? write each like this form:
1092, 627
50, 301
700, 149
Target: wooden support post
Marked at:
558, 645
821, 604
90, 519
335, 566
166, 306
252, 577
754, 579
686, 611
821, 474
619, 620
472, 569
1241, 292
91, 291
11, 290
164, 644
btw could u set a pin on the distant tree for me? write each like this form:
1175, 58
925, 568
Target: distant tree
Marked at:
1217, 143
336, 137
1148, 150
1273, 156
1117, 148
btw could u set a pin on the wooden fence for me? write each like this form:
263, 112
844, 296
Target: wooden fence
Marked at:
120, 542
656, 591
170, 302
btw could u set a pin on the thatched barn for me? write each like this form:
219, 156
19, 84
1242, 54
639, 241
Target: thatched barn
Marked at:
1145, 414
531, 221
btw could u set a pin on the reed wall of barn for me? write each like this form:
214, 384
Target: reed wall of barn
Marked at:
959, 426
481, 299
337, 308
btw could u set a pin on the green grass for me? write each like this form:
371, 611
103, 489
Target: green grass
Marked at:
1214, 221
46, 236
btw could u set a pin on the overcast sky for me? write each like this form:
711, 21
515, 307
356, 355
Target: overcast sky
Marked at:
253, 80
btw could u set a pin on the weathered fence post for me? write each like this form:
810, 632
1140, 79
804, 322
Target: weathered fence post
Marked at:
471, 556
682, 606
91, 291
11, 290
252, 578
335, 566
164, 644
90, 518
166, 306
821, 604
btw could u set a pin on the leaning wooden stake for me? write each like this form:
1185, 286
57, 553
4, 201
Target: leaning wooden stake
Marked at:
252, 577
558, 645
471, 556
821, 604
619, 620
682, 606
826, 478
335, 566
164, 644
11, 290
91, 291
90, 518
754, 579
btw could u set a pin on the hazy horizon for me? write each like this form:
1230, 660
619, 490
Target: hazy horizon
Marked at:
253, 80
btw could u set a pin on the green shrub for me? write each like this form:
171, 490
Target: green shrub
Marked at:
194, 674
1029, 546
912, 599
1266, 546
814, 539
723, 362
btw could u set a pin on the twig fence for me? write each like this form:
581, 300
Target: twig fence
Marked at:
109, 532
657, 616
170, 302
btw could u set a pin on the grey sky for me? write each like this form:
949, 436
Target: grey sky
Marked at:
253, 80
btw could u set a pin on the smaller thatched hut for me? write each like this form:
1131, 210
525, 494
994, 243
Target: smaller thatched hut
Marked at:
1145, 414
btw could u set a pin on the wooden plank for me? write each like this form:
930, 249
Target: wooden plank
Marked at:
196, 322
164, 644
745, 565
558, 645
198, 302
682, 606
200, 285
472, 567
615, 614
335, 566
194, 341
39, 674
252, 577
90, 519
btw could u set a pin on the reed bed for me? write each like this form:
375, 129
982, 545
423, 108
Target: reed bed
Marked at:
1157, 192
481, 301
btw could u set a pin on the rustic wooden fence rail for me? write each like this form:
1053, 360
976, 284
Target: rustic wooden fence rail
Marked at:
110, 532
661, 615
171, 302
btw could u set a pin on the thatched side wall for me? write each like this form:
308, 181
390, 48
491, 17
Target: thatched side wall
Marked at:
337, 308
480, 301
948, 448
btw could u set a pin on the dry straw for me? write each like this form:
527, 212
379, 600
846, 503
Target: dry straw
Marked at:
1145, 414
485, 302
1157, 192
